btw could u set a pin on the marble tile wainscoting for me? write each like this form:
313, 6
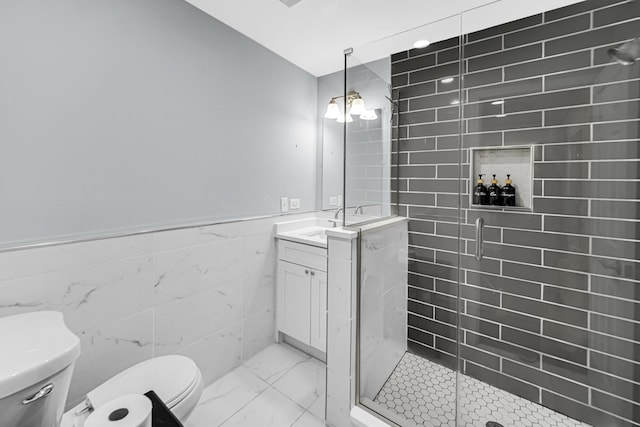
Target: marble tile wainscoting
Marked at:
206, 292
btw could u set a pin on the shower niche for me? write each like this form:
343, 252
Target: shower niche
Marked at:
517, 162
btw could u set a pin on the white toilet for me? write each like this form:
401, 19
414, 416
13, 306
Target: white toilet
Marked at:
37, 356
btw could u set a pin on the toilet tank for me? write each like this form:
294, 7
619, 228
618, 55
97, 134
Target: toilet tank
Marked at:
37, 356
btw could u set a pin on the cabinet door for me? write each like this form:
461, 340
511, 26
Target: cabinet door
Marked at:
294, 294
319, 310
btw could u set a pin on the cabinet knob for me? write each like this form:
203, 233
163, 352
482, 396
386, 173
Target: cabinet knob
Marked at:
306, 272
313, 272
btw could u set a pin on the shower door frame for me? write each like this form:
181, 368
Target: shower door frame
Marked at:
357, 227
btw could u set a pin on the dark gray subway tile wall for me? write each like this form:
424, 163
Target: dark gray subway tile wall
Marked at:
553, 311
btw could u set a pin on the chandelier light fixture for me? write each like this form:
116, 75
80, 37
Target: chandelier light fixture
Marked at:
354, 107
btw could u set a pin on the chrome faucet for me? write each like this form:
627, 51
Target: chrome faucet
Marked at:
335, 219
359, 208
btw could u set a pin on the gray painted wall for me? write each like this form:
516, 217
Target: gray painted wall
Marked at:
330, 143
119, 115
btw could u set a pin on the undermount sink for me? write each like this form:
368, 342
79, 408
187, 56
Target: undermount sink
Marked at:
315, 235
320, 233
310, 232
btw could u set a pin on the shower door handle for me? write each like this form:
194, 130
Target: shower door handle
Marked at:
479, 238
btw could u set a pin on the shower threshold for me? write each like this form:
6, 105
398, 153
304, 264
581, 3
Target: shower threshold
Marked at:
420, 392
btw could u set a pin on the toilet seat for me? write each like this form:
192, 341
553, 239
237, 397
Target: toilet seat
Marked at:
171, 377
175, 379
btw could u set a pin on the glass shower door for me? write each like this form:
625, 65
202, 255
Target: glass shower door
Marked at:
522, 307
549, 297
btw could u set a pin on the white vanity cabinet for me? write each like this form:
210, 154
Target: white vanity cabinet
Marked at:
301, 310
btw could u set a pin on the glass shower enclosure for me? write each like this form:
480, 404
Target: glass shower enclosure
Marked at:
518, 309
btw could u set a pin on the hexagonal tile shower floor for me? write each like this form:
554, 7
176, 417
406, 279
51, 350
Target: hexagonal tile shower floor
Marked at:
424, 393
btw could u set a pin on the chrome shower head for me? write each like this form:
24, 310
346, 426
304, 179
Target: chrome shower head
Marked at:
627, 53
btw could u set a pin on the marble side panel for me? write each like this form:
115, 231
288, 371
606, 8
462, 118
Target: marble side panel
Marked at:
339, 248
339, 287
383, 305
379, 238
339, 400
339, 348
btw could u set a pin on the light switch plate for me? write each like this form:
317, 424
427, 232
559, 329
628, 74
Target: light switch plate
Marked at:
284, 204
294, 204
333, 201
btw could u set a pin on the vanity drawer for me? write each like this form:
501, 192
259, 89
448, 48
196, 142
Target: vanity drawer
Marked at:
306, 255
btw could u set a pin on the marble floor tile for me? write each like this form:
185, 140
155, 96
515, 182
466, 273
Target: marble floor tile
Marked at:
225, 397
241, 398
275, 361
308, 420
304, 383
269, 409
319, 407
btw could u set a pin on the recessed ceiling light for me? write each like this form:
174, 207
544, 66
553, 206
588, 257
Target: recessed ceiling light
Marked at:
447, 80
499, 102
421, 44
455, 102
501, 116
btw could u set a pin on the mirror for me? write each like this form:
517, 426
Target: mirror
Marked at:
368, 165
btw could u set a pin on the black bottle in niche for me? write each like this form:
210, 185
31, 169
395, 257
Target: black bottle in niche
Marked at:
494, 192
480, 193
508, 193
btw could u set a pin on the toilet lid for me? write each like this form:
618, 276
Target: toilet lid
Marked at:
171, 377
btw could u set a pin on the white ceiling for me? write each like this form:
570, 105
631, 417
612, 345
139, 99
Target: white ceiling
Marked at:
314, 33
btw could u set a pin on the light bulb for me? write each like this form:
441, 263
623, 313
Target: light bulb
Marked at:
333, 111
357, 107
